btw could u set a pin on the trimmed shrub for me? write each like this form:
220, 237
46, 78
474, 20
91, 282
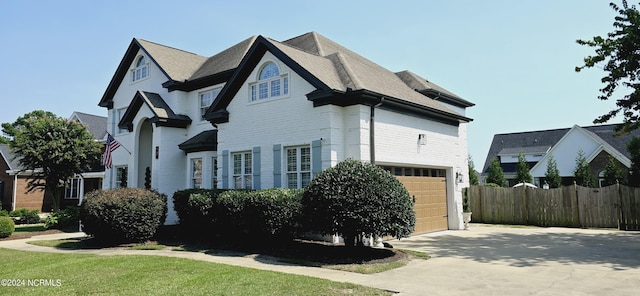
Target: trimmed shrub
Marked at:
123, 214
194, 208
273, 212
269, 213
26, 216
355, 198
6, 226
70, 216
4, 213
228, 210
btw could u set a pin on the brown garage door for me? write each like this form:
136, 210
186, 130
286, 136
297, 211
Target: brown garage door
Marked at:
430, 205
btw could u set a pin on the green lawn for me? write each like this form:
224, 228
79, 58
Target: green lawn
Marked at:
153, 275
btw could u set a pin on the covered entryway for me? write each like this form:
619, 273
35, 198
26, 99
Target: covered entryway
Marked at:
428, 189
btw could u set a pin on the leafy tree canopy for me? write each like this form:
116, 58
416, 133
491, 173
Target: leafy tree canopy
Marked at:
54, 147
634, 172
495, 174
619, 56
473, 176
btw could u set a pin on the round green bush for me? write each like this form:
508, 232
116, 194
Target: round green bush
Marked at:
6, 226
123, 214
355, 198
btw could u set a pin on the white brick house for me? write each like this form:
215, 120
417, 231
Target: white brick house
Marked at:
266, 114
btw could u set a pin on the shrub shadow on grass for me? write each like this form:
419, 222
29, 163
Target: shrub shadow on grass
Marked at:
285, 251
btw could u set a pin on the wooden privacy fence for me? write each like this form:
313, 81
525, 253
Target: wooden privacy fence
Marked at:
615, 206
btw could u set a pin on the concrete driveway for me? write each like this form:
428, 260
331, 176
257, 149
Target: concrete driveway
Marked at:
500, 260
486, 260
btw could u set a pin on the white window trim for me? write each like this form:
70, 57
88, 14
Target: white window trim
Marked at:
244, 175
255, 85
199, 103
192, 171
69, 189
120, 113
299, 172
214, 172
135, 68
117, 182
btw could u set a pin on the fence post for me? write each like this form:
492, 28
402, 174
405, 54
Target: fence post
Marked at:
620, 218
526, 205
577, 210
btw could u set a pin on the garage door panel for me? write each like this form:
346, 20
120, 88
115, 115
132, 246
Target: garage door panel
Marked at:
430, 202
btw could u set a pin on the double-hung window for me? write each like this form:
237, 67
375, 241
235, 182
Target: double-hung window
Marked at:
196, 173
141, 69
121, 176
120, 115
270, 84
206, 99
214, 172
72, 190
298, 166
242, 170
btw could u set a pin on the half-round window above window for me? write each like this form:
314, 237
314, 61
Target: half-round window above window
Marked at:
141, 62
269, 70
141, 69
270, 83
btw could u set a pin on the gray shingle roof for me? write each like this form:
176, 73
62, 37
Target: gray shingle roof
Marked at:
97, 125
334, 65
10, 157
178, 64
225, 60
350, 70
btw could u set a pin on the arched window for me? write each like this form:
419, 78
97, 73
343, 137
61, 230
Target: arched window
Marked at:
141, 69
270, 83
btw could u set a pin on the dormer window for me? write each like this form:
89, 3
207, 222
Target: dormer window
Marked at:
141, 69
270, 83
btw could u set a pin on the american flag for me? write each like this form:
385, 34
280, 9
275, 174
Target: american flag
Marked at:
111, 146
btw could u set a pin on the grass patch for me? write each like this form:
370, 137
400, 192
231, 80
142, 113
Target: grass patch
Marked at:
156, 275
368, 268
147, 247
417, 254
69, 243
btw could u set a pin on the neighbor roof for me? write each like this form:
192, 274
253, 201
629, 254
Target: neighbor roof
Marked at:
97, 125
537, 140
9, 157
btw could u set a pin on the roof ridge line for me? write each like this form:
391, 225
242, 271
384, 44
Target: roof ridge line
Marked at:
170, 47
354, 79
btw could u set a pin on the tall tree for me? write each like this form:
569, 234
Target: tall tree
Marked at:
552, 175
473, 176
55, 148
495, 174
582, 173
613, 173
634, 172
522, 170
618, 53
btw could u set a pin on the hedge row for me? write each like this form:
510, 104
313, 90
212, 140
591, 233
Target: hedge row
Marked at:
240, 214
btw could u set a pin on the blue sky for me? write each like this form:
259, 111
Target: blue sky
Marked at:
514, 59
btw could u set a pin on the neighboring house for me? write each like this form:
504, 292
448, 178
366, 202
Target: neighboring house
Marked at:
265, 113
14, 179
597, 142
